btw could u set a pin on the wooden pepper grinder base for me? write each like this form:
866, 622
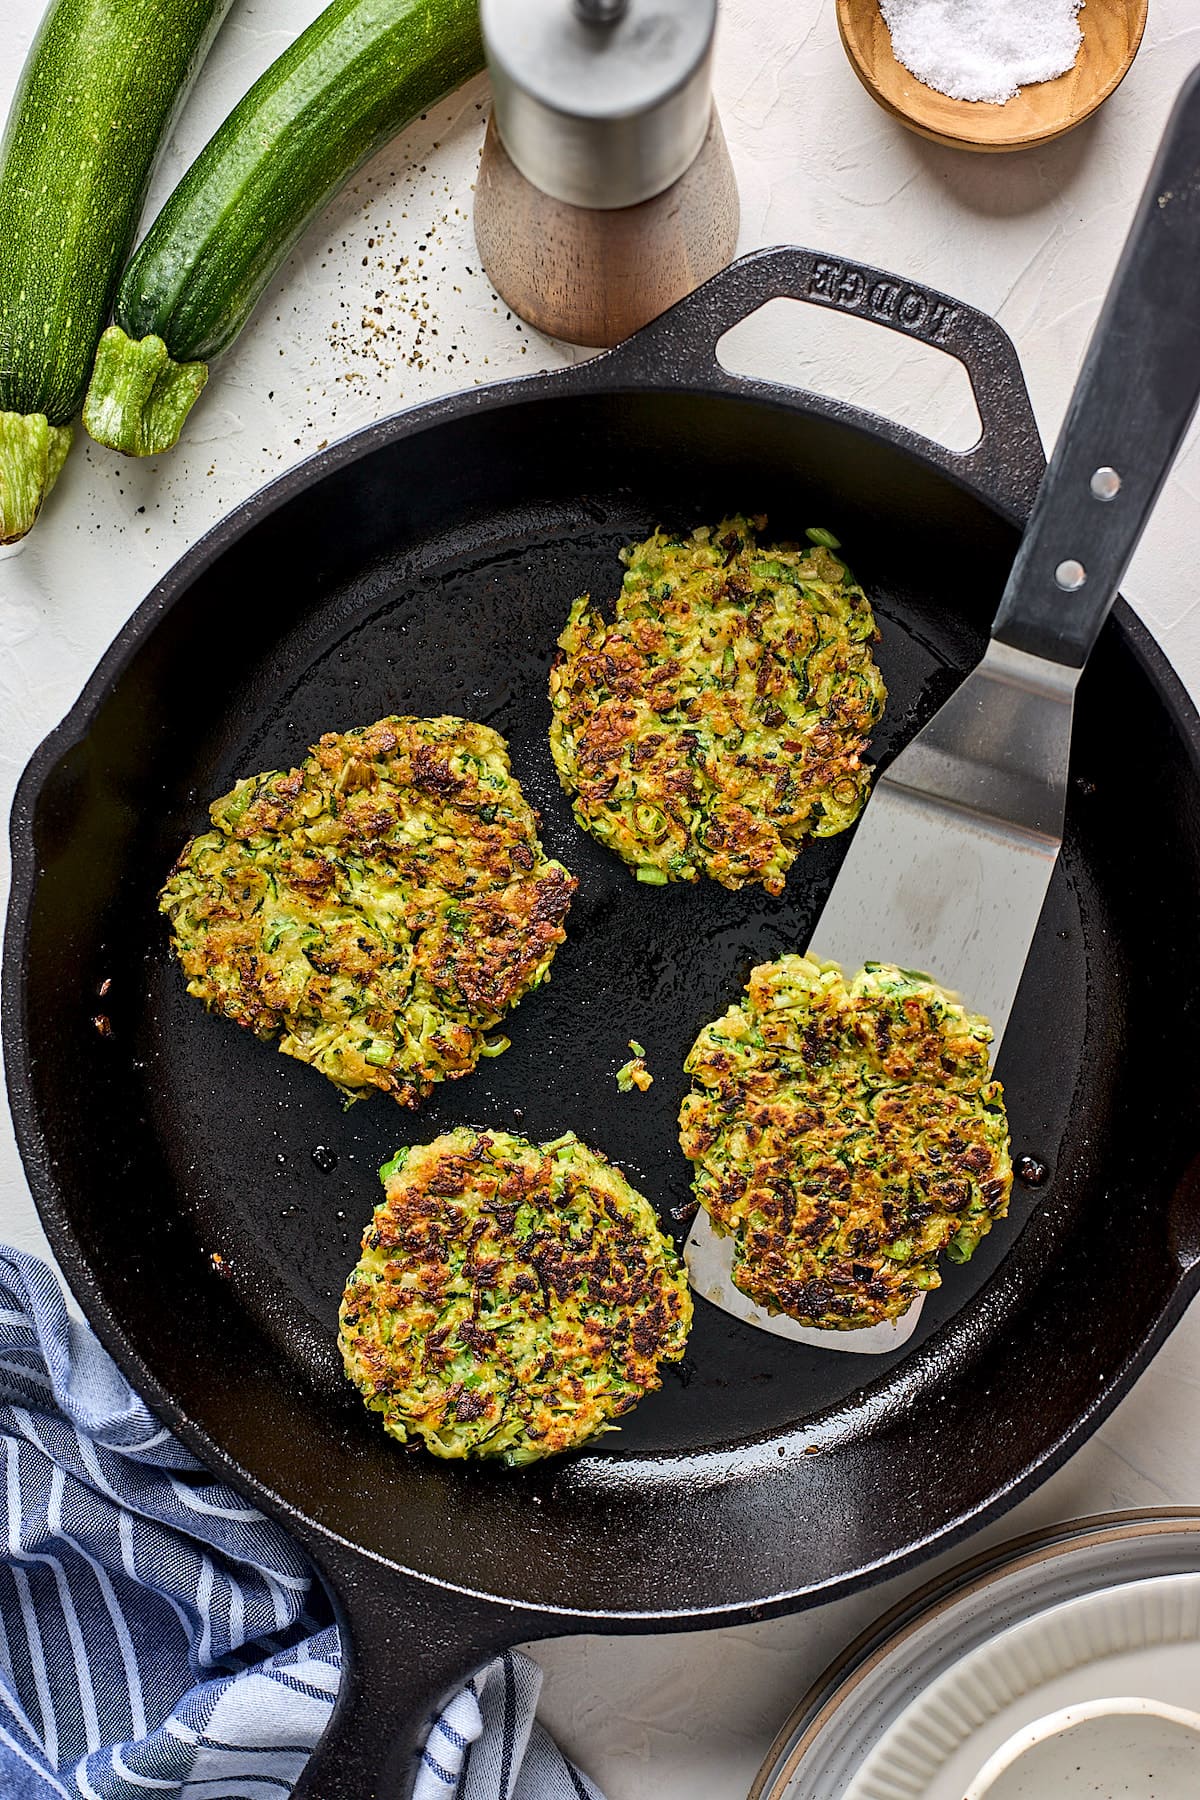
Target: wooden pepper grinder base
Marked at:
593, 275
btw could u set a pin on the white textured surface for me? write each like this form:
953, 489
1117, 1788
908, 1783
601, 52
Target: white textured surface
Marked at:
1032, 238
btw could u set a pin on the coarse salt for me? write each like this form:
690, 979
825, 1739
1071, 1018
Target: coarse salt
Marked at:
983, 49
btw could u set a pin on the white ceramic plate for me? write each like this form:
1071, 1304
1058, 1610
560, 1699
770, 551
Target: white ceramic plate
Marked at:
869, 1697
1140, 1638
1124, 1747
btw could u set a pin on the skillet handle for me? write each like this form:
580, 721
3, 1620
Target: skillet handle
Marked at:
407, 1646
1007, 461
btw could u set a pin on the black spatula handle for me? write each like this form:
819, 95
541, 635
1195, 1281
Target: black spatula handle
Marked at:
1132, 404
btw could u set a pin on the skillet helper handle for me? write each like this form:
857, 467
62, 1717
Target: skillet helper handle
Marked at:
407, 1646
1007, 460
1134, 400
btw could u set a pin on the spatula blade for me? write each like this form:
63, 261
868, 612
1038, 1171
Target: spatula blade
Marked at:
948, 870
946, 875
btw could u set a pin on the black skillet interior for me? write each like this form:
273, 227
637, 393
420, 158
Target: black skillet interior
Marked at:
432, 573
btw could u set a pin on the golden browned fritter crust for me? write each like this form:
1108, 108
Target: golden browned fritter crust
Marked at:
512, 1298
723, 715
377, 909
845, 1133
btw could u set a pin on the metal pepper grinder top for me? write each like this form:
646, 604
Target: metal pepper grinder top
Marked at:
605, 192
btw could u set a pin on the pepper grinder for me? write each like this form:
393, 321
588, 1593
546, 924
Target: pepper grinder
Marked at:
605, 191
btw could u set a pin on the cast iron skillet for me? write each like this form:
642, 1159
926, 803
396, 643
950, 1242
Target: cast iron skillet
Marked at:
427, 565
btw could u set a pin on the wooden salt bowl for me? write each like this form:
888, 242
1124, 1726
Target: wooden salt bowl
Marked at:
1112, 31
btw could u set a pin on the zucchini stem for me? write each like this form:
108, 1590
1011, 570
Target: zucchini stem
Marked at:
139, 397
32, 451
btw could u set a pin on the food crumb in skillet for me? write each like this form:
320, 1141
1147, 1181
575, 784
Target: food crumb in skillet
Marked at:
724, 714
377, 910
634, 1073
845, 1133
512, 1299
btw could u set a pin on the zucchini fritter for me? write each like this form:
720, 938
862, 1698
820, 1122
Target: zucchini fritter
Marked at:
377, 909
723, 715
845, 1132
511, 1298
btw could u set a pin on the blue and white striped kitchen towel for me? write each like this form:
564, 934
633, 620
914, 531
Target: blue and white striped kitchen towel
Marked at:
158, 1637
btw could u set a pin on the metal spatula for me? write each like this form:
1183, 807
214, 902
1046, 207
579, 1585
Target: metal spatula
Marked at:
951, 860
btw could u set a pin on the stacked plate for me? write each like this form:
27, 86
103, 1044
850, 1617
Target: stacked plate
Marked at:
1064, 1662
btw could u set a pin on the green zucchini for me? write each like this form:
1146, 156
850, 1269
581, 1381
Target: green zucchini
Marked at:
99, 90
361, 72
